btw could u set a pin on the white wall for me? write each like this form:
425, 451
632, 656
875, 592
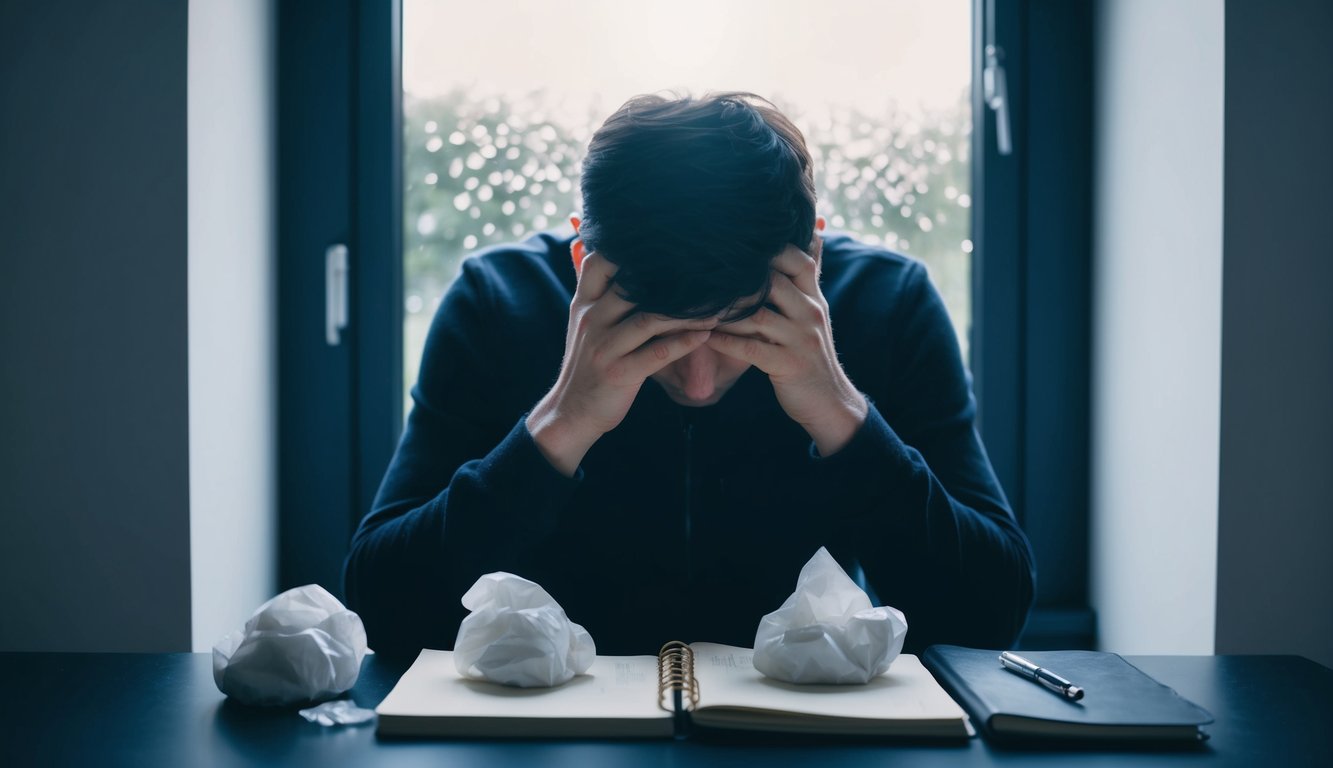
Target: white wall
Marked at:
232, 267
1157, 323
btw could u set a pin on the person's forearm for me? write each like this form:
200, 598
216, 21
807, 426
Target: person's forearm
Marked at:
492, 515
911, 528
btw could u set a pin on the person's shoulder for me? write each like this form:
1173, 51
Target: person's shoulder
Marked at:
851, 264
539, 263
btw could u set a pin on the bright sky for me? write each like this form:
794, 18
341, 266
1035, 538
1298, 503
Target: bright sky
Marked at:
597, 53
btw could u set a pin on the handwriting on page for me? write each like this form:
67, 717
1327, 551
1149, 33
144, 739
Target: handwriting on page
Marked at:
628, 673
731, 661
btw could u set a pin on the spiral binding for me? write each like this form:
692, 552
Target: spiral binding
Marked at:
675, 673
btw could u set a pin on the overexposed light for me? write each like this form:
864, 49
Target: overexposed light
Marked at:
595, 54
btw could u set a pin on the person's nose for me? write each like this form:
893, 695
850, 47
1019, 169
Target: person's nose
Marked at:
699, 373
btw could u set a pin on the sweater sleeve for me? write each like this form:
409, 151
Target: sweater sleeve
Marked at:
920, 507
467, 491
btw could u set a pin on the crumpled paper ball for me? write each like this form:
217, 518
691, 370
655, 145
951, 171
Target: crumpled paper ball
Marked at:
302, 646
827, 631
518, 635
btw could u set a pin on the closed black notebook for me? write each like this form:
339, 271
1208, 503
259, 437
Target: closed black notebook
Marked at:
1121, 703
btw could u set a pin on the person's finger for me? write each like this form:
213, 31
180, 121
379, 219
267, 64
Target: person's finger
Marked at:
766, 324
640, 328
595, 276
794, 303
800, 267
610, 308
656, 355
767, 357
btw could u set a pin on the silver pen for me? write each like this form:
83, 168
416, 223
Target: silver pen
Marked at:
1021, 666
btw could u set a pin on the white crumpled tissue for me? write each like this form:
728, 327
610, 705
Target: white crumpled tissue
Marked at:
302, 646
827, 631
338, 712
518, 635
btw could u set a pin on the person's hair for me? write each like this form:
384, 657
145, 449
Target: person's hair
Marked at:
692, 198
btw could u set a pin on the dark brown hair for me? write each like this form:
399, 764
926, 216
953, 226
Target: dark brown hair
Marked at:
692, 198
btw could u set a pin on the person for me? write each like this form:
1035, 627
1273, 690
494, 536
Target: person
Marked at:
662, 414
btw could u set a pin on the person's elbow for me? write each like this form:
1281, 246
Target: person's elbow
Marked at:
369, 586
1009, 598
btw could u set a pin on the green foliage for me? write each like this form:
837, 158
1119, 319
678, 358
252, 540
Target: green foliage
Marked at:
477, 172
483, 170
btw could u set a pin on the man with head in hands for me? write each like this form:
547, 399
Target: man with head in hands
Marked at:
661, 414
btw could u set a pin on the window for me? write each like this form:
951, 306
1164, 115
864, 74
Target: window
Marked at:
492, 153
355, 165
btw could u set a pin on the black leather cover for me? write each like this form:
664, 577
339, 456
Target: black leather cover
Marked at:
1120, 702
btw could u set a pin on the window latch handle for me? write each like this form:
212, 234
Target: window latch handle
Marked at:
997, 96
335, 293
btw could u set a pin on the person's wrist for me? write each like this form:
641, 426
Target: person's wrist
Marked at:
559, 438
840, 422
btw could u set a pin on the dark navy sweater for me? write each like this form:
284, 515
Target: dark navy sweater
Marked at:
689, 523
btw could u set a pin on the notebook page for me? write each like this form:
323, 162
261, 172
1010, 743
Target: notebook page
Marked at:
727, 678
614, 688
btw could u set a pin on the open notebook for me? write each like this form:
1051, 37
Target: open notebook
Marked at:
714, 686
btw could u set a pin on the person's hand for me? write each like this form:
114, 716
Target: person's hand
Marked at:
794, 346
610, 349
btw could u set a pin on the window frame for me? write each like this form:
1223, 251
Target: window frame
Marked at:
1032, 266
340, 96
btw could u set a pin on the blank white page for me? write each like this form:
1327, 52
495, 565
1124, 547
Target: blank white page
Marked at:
907, 691
615, 688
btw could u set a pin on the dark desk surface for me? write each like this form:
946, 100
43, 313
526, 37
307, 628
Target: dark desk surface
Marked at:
150, 710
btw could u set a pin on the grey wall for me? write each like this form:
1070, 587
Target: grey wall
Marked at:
1275, 526
94, 496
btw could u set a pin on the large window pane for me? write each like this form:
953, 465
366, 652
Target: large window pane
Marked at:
501, 98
